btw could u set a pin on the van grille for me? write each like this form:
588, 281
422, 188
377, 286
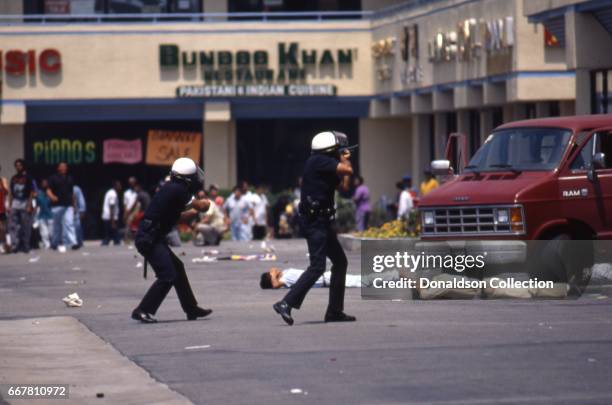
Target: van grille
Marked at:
469, 220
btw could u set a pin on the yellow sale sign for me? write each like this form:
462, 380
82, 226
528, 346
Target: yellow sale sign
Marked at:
164, 147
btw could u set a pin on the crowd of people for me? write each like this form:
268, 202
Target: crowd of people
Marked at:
401, 208
55, 209
244, 213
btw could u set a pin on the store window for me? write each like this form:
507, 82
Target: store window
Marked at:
530, 111
75, 7
99, 152
273, 151
256, 6
600, 91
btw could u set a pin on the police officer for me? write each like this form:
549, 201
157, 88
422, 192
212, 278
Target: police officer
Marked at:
173, 202
328, 163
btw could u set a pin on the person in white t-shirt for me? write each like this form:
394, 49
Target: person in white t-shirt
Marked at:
406, 201
130, 206
277, 278
110, 214
260, 213
252, 200
238, 211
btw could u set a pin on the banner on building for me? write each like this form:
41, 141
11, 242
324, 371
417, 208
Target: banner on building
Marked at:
69, 6
122, 151
164, 147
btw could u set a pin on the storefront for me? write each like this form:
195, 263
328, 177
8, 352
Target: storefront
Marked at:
244, 97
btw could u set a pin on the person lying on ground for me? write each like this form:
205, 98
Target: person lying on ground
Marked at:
277, 278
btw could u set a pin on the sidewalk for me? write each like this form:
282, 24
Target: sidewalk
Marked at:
61, 350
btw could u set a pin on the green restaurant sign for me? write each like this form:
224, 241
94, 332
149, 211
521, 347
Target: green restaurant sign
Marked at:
243, 67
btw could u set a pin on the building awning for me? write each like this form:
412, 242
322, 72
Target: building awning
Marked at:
193, 109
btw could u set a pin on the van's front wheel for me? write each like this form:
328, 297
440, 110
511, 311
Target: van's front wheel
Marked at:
566, 260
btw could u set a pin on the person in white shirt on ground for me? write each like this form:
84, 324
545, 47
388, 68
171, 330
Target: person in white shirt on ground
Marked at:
277, 278
110, 214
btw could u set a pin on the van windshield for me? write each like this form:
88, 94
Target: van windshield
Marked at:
521, 149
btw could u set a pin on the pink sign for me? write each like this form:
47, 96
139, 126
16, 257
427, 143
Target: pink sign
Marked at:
120, 151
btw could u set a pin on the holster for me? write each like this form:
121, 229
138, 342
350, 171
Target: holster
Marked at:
314, 209
146, 237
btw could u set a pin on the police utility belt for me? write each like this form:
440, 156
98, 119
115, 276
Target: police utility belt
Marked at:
147, 236
314, 209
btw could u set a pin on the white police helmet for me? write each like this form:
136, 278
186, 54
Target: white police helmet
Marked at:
186, 170
328, 141
184, 167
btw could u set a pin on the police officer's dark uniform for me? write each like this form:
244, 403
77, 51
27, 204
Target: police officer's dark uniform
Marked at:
316, 215
160, 216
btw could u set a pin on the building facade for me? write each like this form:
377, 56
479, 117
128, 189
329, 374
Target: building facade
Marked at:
115, 98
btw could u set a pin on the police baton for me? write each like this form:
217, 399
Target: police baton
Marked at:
350, 148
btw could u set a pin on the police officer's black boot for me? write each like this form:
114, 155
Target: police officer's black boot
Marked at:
144, 317
284, 310
151, 302
198, 313
339, 317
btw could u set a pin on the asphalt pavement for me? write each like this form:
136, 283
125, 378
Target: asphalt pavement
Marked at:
446, 352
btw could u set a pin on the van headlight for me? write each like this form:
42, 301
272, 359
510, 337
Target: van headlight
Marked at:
502, 216
428, 218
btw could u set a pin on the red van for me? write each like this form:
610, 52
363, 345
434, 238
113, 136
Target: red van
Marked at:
548, 179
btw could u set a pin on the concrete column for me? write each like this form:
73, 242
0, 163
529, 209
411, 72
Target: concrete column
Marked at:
385, 154
468, 97
443, 101
440, 131
421, 129
12, 147
508, 112
12, 121
463, 122
583, 91
486, 124
380, 108
220, 153
494, 93
401, 106
421, 103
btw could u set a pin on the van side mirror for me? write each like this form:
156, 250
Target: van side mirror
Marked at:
441, 167
599, 161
